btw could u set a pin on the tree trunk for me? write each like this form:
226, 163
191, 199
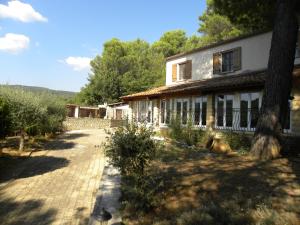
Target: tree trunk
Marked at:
22, 140
268, 142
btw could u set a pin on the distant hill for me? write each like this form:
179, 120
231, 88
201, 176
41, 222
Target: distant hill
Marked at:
63, 94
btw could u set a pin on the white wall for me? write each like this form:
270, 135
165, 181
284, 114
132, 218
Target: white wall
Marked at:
255, 54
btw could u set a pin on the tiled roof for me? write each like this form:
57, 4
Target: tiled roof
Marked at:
254, 79
243, 80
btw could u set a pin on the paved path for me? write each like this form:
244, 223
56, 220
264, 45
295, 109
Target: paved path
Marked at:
56, 186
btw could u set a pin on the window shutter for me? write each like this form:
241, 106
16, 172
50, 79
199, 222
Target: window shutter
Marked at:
174, 72
216, 63
188, 70
237, 64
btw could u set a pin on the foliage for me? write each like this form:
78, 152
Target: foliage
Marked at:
131, 149
4, 118
171, 43
237, 141
123, 68
33, 113
186, 134
141, 192
251, 15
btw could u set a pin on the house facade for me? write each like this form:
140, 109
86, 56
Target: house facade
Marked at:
219, 86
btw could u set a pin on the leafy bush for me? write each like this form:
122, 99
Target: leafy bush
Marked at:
186, 134
33, 113
237, 141
131, 149
4, 118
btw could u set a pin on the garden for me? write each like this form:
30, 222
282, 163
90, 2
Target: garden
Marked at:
182, 180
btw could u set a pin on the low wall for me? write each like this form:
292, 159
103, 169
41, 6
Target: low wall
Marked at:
90, 123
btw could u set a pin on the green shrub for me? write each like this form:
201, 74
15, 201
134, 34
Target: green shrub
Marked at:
186, 134
4, 118
237, 141
141, 193
131, 149
175, 128
33, 113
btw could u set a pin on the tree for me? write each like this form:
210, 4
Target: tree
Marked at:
215, 27
4, 118
170, 43
258, 14
250, 15
123, 68
32, 113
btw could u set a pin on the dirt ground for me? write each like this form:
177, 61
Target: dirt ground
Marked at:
206, 188
54, 186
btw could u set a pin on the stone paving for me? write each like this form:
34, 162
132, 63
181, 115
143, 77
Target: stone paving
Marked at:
57, 186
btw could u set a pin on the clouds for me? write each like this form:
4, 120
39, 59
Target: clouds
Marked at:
14, 43
78, 63
21, 11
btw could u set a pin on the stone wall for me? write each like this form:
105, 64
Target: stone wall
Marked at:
90, 123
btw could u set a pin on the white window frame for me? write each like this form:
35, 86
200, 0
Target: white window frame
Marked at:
181, 100
165, 112
148, 106
200, 100
249, 97
222, 53
226, 97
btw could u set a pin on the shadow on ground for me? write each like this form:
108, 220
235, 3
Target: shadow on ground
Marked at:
20, 167
29, 212
212, 189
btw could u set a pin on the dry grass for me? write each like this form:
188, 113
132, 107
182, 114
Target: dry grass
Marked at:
204, 188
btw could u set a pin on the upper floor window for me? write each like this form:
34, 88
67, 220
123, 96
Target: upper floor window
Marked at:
182, 71
227, 61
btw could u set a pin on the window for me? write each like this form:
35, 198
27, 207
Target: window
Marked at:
227, 61
200, 107
184, 71
165, 114
162, 113
249, 110
142, 111
182, 109
224, 111
150, 114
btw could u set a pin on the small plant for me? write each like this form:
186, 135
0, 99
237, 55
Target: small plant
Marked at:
131, 149
238, 141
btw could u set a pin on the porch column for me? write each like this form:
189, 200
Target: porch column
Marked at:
155, 112
130, 109
210, 116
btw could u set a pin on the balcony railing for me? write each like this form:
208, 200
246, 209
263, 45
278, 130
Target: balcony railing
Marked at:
225, 119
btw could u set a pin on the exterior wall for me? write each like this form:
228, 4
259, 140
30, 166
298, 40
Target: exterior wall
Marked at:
90, 123
211, 111
112, 111
254, 56
85, 123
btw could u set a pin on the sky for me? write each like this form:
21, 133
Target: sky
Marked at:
49, 43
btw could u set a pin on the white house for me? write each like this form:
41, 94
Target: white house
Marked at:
217, 86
